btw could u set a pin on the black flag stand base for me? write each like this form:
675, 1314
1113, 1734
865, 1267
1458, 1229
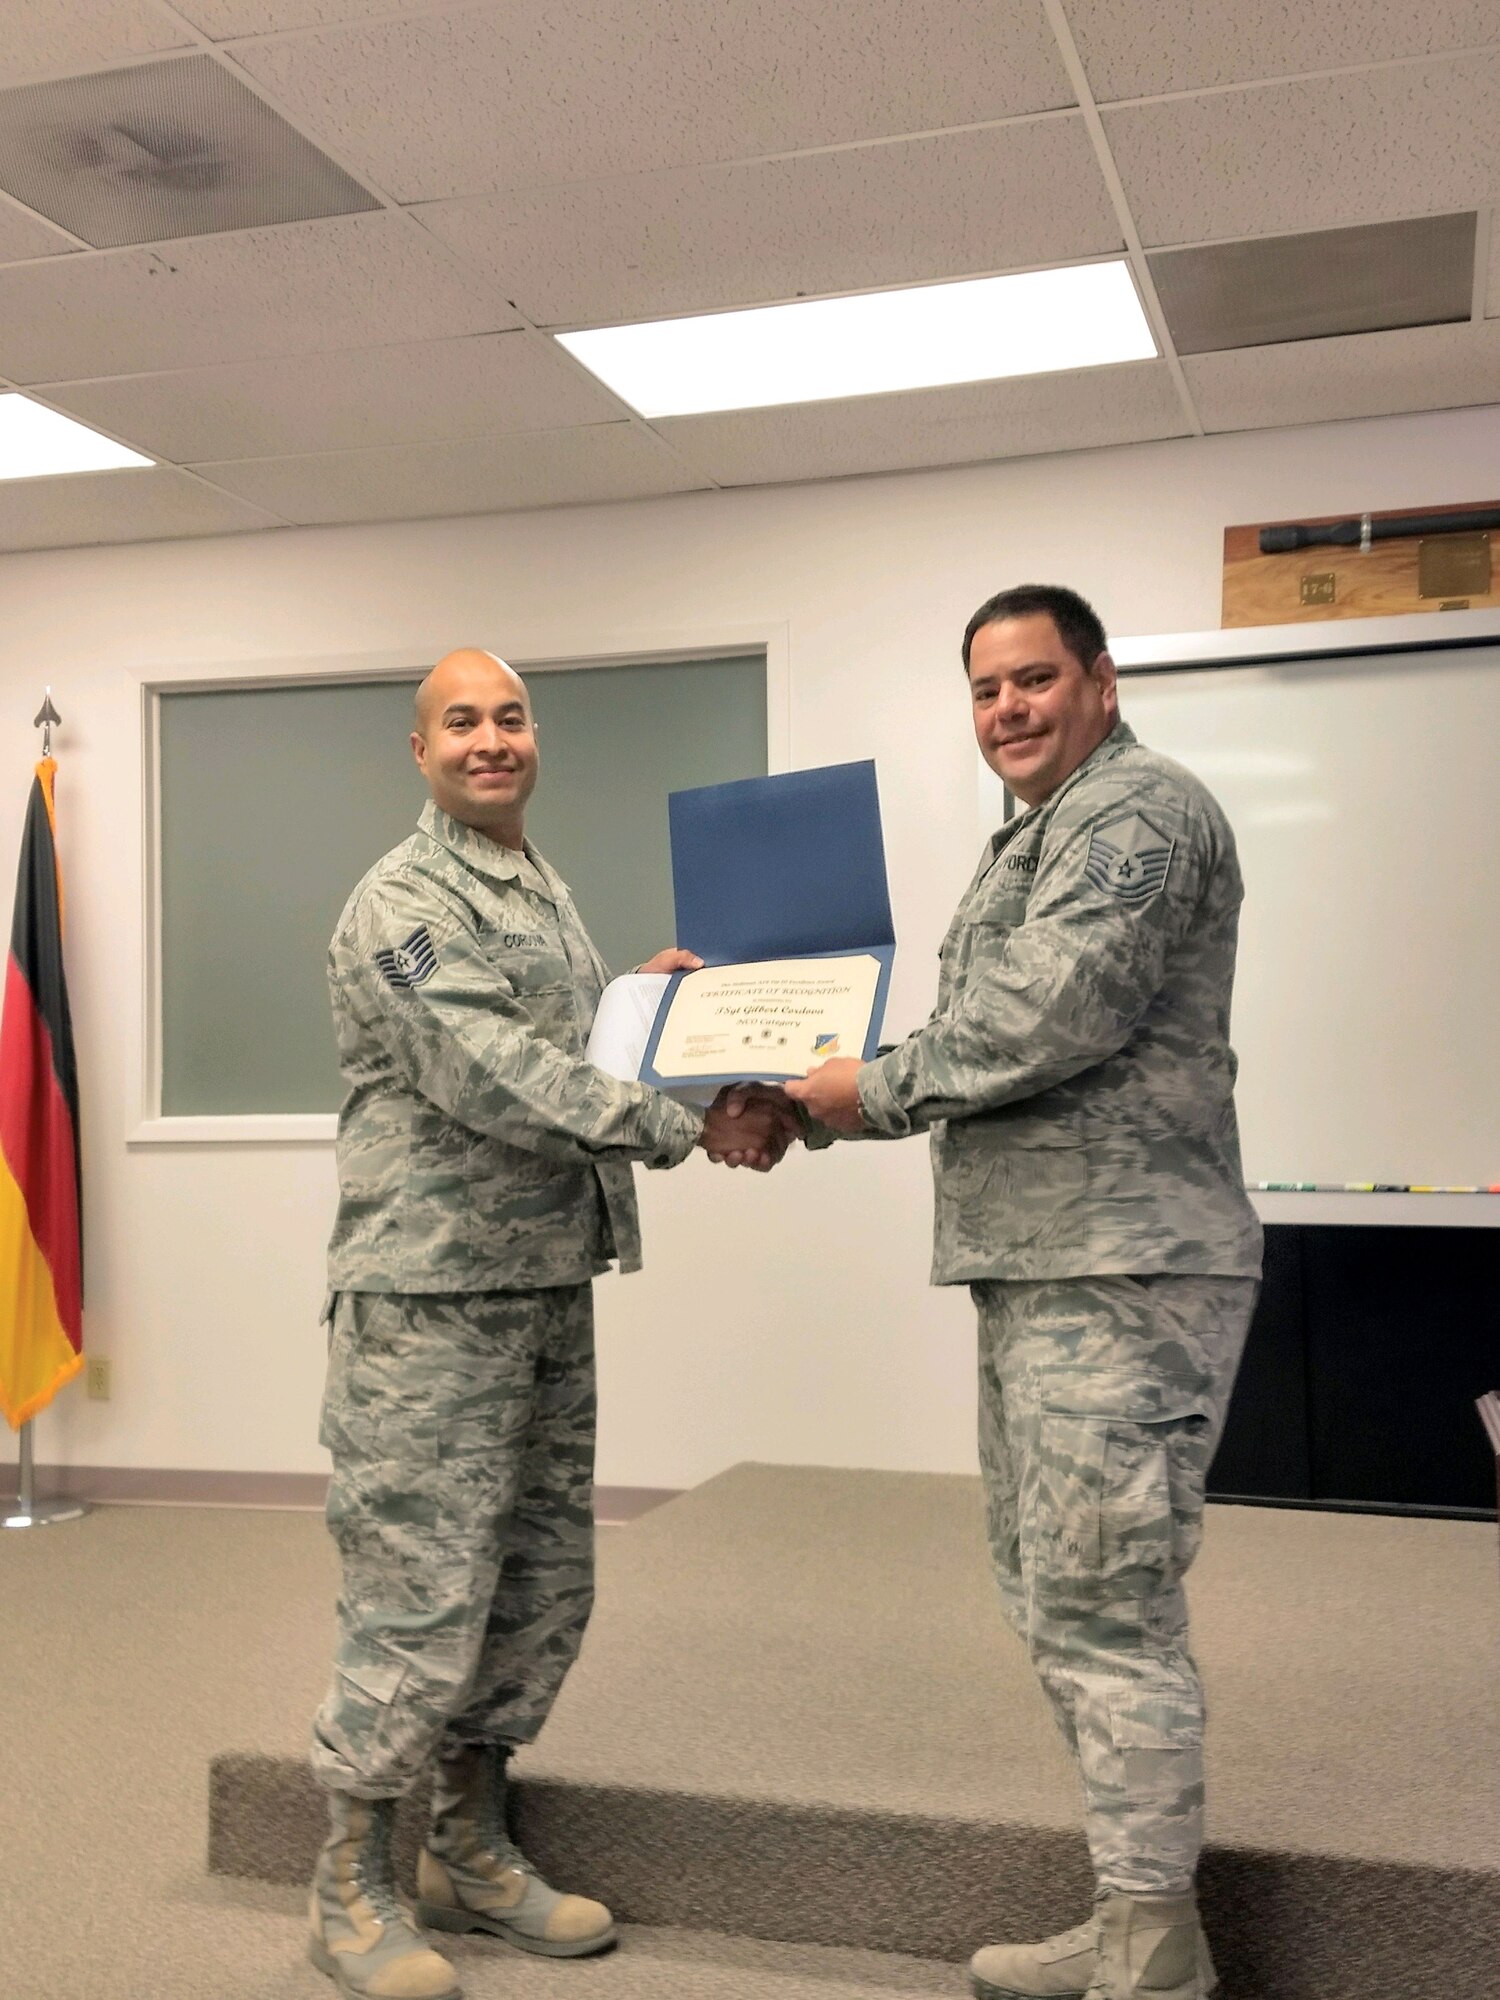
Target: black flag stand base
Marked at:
31, 1512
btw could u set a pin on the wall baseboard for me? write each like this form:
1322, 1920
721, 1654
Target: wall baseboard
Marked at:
169, 1486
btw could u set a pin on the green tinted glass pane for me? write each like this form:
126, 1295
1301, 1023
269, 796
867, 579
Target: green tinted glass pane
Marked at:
614, 742
275, 801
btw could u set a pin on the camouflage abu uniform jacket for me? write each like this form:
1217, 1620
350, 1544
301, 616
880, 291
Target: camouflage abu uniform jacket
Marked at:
1077, 1075
477, 1150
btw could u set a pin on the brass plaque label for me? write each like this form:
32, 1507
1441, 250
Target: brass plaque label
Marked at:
1318, 589
1453, 565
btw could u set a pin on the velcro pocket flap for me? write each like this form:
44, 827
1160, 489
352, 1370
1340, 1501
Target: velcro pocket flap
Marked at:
1117, 1393
378, 1675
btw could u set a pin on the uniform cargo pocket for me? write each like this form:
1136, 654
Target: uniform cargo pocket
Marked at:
1104, 1513
372, 1672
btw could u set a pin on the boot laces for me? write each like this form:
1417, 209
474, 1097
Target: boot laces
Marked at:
375, 1869
489, 1820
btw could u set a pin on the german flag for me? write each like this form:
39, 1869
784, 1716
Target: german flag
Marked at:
41, 1250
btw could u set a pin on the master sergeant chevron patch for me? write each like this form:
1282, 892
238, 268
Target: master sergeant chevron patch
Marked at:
1128, 859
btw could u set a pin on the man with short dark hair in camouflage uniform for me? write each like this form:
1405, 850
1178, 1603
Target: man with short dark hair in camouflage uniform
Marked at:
484, 1181
1077, 1081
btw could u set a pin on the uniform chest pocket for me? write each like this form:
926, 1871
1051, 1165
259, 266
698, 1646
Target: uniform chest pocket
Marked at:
530, 959
983, 941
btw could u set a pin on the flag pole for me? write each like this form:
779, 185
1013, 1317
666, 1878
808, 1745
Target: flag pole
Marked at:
31, 1512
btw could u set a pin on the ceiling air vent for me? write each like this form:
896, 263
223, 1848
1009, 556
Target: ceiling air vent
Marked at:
162, 150
1365, 279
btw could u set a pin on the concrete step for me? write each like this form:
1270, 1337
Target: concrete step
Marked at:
911, 1887
798, 1718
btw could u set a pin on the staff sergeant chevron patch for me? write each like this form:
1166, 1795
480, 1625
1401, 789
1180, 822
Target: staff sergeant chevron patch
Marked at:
1128, 859
407, 965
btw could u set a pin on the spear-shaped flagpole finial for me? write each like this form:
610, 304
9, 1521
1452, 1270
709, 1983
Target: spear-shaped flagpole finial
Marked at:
44, 718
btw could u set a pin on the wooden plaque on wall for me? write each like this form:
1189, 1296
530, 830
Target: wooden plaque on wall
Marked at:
1406, 573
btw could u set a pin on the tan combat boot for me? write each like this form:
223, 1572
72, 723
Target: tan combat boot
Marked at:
472, 1877
1062, 1967
1151, 1946
362, 1936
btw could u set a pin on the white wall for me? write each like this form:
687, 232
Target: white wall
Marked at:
783, 1319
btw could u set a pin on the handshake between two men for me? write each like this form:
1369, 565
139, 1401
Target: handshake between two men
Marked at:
753, 1124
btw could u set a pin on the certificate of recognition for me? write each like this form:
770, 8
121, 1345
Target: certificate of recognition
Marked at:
780, 887
770, 1020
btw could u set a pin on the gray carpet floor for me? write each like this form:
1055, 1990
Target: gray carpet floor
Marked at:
833, 1638
135, 1645
810, 1635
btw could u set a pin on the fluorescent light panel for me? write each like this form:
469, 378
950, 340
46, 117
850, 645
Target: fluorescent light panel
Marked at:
1030, 323
36, 443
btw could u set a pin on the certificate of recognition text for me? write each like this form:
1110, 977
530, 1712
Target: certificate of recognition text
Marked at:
776, 1017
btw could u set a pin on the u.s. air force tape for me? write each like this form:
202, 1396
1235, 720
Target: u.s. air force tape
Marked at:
1128, 859
407, 965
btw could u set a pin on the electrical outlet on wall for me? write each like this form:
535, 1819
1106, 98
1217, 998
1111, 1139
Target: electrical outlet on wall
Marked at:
96, 1375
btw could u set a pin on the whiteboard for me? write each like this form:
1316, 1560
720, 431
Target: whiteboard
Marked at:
1364, 793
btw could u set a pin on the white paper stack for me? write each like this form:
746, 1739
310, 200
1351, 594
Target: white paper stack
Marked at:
622, 1028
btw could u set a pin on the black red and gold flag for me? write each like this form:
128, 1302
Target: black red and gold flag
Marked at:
41, 1249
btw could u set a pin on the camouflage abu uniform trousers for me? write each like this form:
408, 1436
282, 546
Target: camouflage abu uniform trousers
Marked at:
461, 1428
1078, 1081
1101, 1403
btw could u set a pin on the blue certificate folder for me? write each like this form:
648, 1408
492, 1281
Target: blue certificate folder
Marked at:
791, 866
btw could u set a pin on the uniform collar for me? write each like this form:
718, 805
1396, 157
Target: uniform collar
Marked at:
1118, 739
476, 850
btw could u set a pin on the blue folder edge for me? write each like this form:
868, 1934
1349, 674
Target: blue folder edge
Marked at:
885, 953
787, 866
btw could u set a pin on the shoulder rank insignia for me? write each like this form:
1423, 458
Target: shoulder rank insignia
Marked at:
1128, 859
407, 965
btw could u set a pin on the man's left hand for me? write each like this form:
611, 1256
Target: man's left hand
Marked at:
673, 960
830, 1094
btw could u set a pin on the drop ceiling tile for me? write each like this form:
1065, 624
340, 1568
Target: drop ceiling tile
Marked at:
468, 476
956, 426
304, 288
1361, 375
162, 150
144, 505
1492, 303
692, 238
23, 235
1195, 44
63, 36
1333, 150
481, 386
1319, 284
528, 93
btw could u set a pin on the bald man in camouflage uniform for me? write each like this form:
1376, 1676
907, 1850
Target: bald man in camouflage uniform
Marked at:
484, 1181
1077, 1081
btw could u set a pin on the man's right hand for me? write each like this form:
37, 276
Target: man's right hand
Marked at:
748, 1125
